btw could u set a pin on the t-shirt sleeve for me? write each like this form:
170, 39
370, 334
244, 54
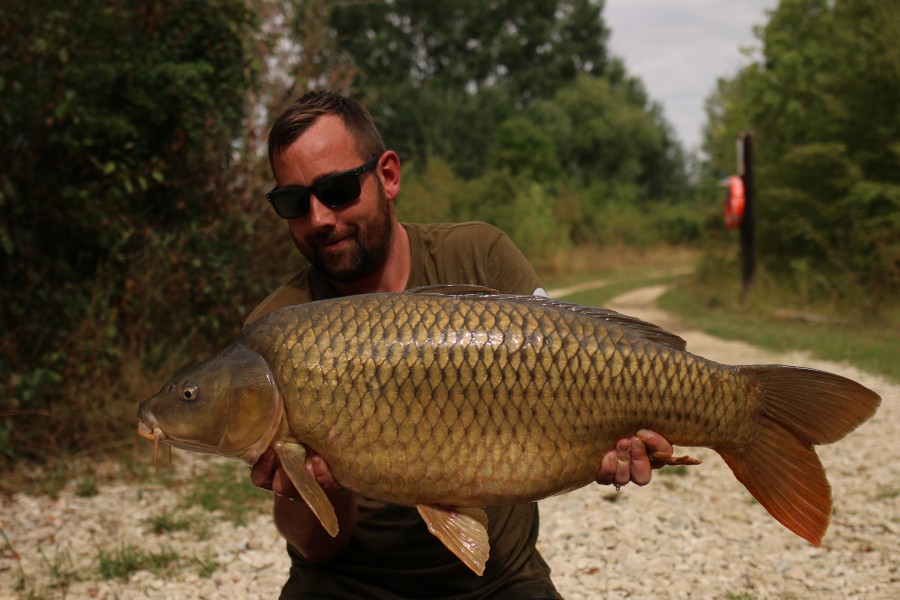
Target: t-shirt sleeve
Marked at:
295, 291
509, 270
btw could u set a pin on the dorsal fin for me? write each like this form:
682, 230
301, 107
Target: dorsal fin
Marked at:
643, 329
452, 289
653, 333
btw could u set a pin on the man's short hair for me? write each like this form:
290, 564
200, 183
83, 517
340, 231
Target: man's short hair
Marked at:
301, 115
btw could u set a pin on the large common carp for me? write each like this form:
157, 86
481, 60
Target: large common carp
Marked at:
455, 401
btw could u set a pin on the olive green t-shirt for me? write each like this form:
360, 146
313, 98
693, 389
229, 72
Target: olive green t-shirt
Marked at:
391, 554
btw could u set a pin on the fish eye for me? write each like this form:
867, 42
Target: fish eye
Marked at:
190, 392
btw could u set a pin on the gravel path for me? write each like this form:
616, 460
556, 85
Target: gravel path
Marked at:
701, 535
692, 533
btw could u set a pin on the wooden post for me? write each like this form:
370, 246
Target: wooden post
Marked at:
748, 228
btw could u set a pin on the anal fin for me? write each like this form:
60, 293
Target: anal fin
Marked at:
662, 460
462, 530
293, 460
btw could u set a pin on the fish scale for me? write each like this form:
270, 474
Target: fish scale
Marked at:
404, 380
455, 402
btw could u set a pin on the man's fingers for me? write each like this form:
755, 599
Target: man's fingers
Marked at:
655, 444
607, 472
321, 471
633, 459
263, 470
640, 464
318, 468
282, 485
623, 461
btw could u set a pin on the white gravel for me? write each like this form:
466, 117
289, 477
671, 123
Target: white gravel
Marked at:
697, 534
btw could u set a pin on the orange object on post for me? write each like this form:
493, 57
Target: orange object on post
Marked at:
734, 202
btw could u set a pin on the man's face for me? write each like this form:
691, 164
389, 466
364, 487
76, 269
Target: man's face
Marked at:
349, 242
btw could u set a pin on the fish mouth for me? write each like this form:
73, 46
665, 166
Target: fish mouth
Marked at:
151, 431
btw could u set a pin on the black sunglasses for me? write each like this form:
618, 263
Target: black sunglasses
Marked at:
332, 191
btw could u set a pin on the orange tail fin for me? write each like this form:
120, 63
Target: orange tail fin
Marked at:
802, 408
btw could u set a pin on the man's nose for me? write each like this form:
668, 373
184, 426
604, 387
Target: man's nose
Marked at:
319, 214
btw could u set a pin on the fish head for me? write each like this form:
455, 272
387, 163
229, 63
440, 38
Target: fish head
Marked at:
228, 405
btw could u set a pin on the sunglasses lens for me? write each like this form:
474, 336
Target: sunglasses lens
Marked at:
338, 191
290, 204
333, 191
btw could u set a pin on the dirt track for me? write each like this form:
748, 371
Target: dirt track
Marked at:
695, 535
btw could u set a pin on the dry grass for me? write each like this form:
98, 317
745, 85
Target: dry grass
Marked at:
593, 261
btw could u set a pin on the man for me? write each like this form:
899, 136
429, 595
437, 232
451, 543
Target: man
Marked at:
336, 185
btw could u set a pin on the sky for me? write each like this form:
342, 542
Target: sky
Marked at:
680, 48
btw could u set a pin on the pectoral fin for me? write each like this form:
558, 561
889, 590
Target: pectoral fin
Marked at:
462, 530
293, 460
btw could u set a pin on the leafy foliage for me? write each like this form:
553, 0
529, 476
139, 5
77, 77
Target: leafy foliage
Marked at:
604, 131
118, 120
516, 100
442, 78
531, 47
822, 103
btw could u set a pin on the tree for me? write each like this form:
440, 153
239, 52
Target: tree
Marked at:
601, 133
117, 128
822, 104
530, 46
440, 75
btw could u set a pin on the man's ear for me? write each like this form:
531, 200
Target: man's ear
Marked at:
388, 171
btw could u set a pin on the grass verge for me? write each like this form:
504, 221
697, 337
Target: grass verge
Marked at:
121, 562
871, 347
226, 488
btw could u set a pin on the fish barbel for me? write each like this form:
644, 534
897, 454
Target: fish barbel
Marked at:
451, 402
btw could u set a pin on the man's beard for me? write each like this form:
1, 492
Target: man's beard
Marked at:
370, 245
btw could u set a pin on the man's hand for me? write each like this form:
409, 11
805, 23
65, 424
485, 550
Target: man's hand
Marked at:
268, 474
629, 461
293, 518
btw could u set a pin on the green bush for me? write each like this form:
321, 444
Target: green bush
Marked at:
118, 238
